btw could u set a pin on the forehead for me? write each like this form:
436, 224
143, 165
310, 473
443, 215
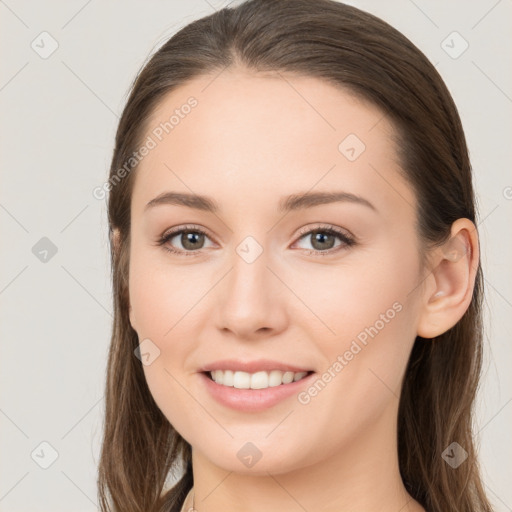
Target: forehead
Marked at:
264, 136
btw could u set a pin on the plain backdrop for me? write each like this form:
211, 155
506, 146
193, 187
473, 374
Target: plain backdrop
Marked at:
65, 72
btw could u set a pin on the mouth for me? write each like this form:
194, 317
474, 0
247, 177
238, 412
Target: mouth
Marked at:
256, 380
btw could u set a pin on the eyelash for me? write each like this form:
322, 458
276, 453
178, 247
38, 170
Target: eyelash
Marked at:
347, 241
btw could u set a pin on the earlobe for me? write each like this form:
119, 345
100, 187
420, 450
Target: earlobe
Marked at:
449, 286
115, 239
132, 319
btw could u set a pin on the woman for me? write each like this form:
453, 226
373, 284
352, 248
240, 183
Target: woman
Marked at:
296, 273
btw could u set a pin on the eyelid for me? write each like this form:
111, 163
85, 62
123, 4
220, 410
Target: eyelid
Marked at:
172, 232
327, 227
185, 227
347, 238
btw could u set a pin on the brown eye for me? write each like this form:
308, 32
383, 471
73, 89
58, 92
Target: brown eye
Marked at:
322, 240
192, 240
184, 241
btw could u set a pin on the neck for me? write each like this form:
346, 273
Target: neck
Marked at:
360, 476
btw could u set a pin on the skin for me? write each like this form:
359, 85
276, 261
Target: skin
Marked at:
251, 140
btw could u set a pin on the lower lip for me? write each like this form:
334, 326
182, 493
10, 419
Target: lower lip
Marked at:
253, 400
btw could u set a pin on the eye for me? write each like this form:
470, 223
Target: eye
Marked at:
191, 238
323, 239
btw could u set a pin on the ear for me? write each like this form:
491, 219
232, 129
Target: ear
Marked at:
132, 319
115, 240
449, 287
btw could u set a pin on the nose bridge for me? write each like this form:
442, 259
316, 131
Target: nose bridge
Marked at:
249, 283
250, 293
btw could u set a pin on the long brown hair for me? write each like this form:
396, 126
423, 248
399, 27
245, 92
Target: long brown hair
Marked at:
363, 54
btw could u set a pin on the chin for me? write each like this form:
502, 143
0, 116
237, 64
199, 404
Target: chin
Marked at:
258, 459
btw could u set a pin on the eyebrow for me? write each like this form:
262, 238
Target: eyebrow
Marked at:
293, 202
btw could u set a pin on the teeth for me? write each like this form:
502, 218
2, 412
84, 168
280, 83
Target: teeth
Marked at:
258, 380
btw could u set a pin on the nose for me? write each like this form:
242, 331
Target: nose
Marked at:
251, 302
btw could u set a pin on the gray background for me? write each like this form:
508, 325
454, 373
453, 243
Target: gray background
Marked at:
59, 116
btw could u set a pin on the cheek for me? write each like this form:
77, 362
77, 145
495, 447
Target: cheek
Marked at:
365, 361
371, 318
160, 299
160, 294
347, 299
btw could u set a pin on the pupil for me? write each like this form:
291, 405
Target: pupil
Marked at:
191, 239
321, 238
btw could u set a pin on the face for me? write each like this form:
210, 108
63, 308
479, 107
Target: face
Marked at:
323, 284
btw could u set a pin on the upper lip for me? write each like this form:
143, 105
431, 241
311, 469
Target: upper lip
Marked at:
252, 366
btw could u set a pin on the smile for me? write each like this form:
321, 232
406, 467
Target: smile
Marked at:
258, 380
